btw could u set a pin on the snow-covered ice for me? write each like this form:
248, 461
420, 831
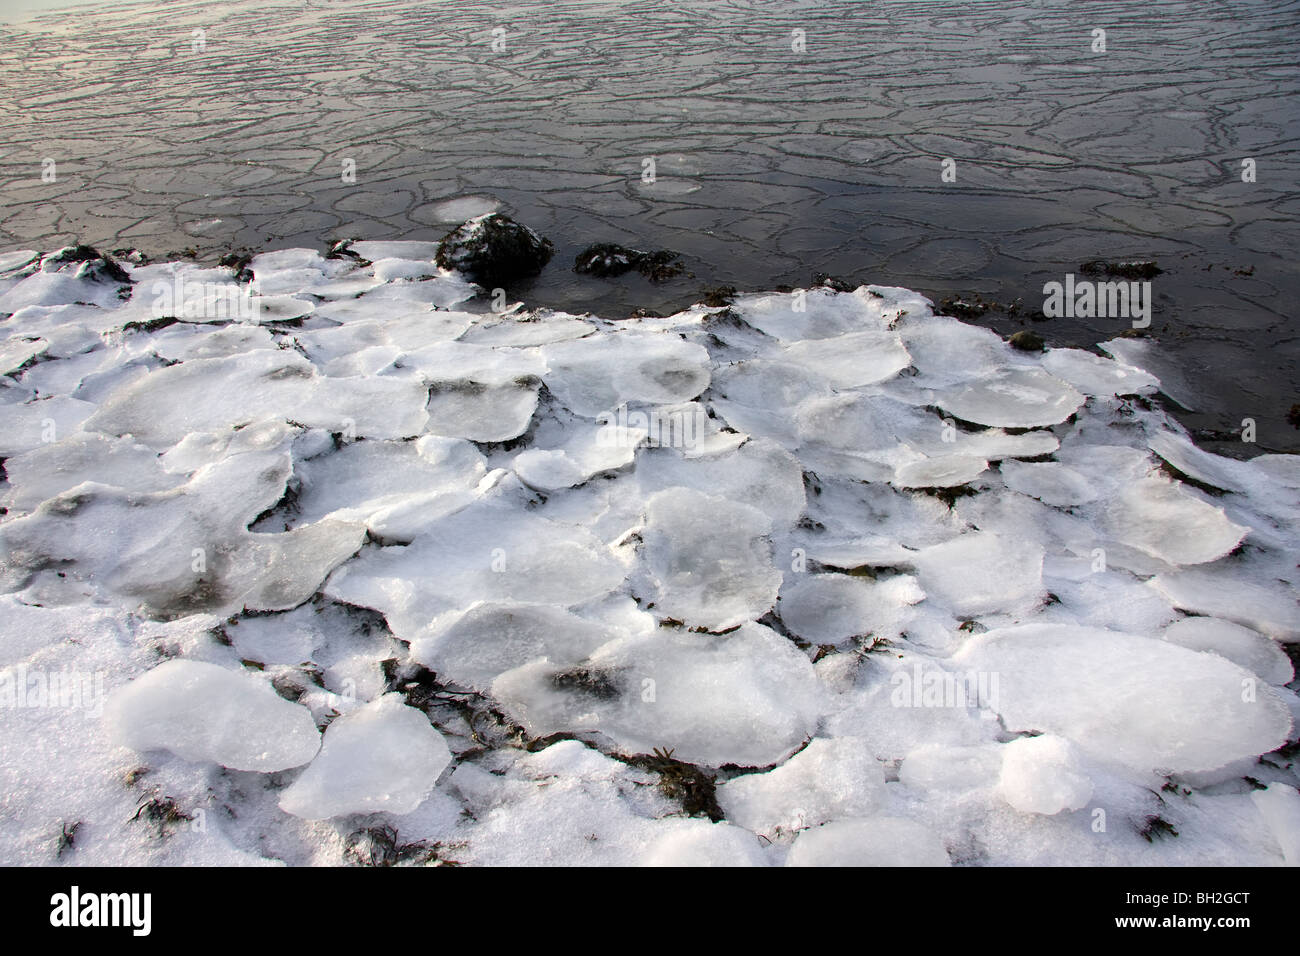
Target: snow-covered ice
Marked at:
816, 578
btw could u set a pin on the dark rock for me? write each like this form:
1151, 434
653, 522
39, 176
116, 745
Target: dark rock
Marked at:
1133, 269
342, 249
494, 250
605, 259
832, 282
960, 308
720, 296
238, 262
1293, 416
91, 264
133, 256
1026, 341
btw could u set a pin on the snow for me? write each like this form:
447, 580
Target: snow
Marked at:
705, 844
889, 590
874, 841
1279, 805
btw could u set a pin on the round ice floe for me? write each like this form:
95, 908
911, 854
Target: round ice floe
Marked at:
747, 697
700, 843
163, 407
828, 779
265, 308
758, 473
484, 413
852, 360
946, 472
1094, 375
180, 343
586, 453
1212, 470
1159, 518
475, 648
1043, 775
187, 549
383, 757
1013, 398
875, 841
946, 351
486, 552
535, 327
17, 352
909, 701
1284, 469
1266, 607
760, 397
34, 424
1250, 649
199, 449
376, 249
599, 373
865, 551
981, 572
363, 479
809, 314
204, 712
1134, 700
829, 608
1050, 482
451, 362
993, 444
709, 559
51, 469
387, 269
11, 263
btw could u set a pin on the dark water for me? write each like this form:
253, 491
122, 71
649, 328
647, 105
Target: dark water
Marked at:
771, 163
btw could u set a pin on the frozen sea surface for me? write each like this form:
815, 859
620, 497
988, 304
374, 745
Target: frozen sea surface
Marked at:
376, 573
